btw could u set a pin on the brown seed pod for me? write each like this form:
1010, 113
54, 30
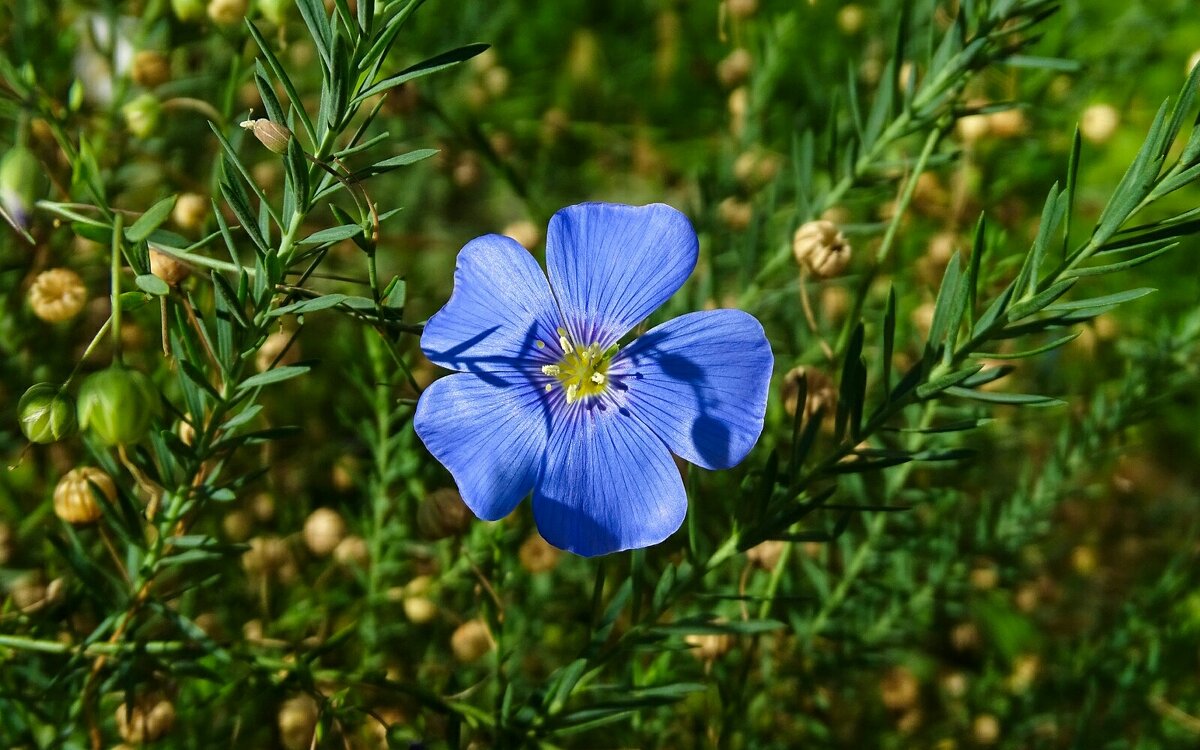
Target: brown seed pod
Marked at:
270, 134
168, 268
821, 247
147, 720
324, 530
537, 555
443, 514
75, 500
57, 295
470, 641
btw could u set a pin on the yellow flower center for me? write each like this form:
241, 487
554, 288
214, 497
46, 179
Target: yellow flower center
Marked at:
582, 371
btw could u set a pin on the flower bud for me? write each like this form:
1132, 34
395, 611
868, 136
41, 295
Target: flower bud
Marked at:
470, 641
188, 10
443, 514
147, 720
142, 115
168, 268
57, 295
227, 12
117, 405
270, 134
46, 414
822, 248
324, 531
150, 68
20, 182
75, 495
191, 209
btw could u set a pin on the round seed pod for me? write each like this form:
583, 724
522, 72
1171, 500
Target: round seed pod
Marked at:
150, 68
985, 729
190, 211
708, 647
117, 405
525, 232
188, 10
735, 213
297, 722
766, 554
742, 8
899, 689
419, 609
1099, 122
74, 498
470, 641
820, 391
352, 552
537, 555
57, 295
324, 530
46, 414
142, 115
734, 68
443, 514
267, 555
227, 12
168, 268
821, 247
147, 720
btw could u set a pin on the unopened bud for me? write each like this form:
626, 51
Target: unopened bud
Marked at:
46, 413
57, 295
270, 134
443, 514
75, 495
20, 182
821, 247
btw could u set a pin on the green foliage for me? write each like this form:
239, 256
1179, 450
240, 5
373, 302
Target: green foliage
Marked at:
905, 560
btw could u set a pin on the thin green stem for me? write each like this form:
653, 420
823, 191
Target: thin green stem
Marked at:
117, 237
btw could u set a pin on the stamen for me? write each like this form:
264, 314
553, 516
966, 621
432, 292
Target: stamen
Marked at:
540, 344
572, 393
566, 345
552, 370
598, 378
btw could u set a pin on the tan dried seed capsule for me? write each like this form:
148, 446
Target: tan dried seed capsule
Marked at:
323, 531
190, 211
470, 641
227, 12
75, 501
821, 247
147, 720
297, 722
57, 295
443, 514
352, 552
168, 268
709, 646
537, 555
150, 68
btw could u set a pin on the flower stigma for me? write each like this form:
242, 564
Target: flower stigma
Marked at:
582, 371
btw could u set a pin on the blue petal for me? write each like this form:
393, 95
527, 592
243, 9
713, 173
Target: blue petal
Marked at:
612, 265
501, 306
490, 434
700, 382
609, 484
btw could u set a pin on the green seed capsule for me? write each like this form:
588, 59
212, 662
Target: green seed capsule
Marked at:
46, 413
118, 405
21, 180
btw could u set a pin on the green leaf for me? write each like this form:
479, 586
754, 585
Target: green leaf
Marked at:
331, 235
394, 162
149, 221
999, 397
278, 375
1030, 352
423, 68
324, 302
151, 284
1108, 300
281, 73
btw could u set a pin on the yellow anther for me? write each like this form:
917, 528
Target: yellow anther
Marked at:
582, 371
598, 378
552, 370
572, 393
540, 344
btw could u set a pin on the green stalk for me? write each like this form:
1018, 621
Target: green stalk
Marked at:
118, 221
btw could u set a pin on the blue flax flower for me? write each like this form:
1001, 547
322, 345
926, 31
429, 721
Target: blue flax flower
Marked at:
544, 399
